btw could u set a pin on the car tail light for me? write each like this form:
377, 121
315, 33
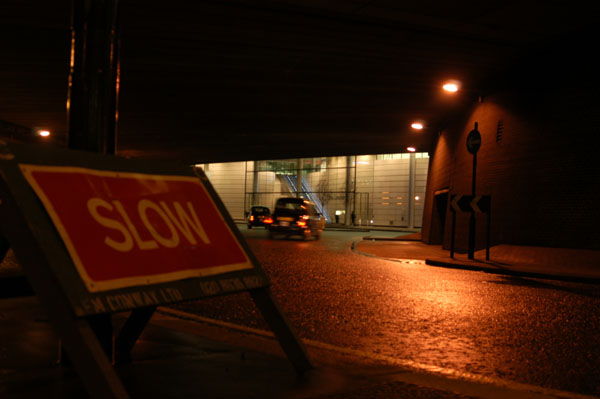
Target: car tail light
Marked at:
268, 220
252, 218
301, 223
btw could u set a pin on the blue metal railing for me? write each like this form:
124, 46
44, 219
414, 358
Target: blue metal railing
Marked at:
313, 197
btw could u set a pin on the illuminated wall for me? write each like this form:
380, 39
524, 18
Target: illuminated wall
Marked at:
382, 190
537, 165
539, 121
227, 178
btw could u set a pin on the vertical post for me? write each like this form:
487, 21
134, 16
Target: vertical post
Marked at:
368, 207
452, 233
299, 178
473, 144
488, 233
93, 92
411, 190
472, 224
92, 104
245, 186
354, 195
347, 194
255, 179
254, 185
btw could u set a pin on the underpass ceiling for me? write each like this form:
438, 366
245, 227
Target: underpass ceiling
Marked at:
207, 81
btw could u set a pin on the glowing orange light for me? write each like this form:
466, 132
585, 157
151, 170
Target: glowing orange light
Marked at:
252, 218
301, 223
268, 220
451, 87
417, 125
44, 133
411, 149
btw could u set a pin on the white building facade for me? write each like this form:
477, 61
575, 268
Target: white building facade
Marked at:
381, 190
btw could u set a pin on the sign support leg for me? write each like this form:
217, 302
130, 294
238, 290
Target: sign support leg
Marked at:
102, 326
78, 339
90, 361
131, 331
80, 343
291, 344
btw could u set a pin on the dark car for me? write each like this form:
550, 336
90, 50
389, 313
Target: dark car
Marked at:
296, 217
259, 216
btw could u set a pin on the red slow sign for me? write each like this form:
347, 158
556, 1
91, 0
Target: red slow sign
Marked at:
128, 229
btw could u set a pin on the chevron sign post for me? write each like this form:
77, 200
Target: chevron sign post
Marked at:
474, 204
480, 203
471, 203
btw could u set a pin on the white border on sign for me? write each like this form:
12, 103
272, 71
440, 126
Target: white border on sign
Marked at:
95, 286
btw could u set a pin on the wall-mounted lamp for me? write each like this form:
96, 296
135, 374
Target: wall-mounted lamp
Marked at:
451, 86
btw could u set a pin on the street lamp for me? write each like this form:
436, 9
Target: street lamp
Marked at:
451, 86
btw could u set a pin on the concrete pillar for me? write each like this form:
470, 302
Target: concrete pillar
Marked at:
92, 102
412, 170
93, 90
349, 188
299, 178
255, 184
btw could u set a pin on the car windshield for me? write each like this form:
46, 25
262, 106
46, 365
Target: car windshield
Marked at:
295, 205
260, 211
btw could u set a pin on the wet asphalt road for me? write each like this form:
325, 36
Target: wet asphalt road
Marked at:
538, 332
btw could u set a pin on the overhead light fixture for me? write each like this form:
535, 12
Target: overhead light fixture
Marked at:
451, 86
44, 133
411, 149
417, 125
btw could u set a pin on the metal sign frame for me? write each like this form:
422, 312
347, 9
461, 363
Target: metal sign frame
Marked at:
473, 204
83, 300
28, 228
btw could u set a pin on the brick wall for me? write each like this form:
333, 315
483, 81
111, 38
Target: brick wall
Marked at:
541, 172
